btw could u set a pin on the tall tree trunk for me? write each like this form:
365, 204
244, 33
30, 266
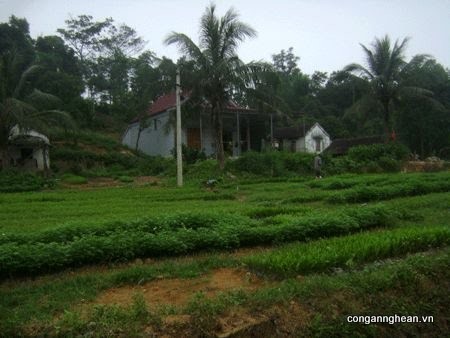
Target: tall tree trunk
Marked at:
218, 126
138, 137
46, 168
386, 120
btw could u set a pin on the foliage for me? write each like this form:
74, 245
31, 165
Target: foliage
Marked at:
273, 163
348, 251
125, 179
14, 181
219, 71
388, 157
170, 235
375, 152
73, 179
190, 155
384, 192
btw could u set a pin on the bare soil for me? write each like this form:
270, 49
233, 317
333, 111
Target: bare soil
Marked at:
178, 292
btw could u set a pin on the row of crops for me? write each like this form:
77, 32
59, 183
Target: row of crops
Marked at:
263, 221
174, 235
348, 251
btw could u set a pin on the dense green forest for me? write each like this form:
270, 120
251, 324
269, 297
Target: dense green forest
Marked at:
100, 74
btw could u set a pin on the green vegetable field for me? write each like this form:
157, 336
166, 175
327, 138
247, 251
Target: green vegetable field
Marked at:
289, 257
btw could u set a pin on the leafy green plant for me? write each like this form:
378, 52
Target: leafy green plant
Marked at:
348, 251
17, 181
125, 179
366, 193
73, 179
273, 163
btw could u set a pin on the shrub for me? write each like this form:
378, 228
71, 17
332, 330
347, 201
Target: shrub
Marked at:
190, 155
125, 179
373, 158
17, 181
273, 163
374, 152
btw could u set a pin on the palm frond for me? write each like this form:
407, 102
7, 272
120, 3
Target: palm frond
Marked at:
357, 68
416, 62
23, 78
39, 98
185, 45
45, 120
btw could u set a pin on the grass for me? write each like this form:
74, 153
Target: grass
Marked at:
247, 213
348, 251
176, 234
73, 179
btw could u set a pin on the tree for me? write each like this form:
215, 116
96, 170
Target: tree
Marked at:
60, 72
220, 70
23, 107
285, 62
123, 39
15, 35
85, 36
425, 122
385, 66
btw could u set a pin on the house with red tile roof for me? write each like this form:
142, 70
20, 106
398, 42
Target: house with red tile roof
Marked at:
243, 128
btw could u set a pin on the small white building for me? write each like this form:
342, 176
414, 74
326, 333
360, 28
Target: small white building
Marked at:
310, 139
28, 149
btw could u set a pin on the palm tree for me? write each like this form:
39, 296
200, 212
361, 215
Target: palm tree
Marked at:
385, 68
23, 106
220, 71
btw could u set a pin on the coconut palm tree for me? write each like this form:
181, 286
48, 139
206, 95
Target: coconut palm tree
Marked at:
23, 106
385, 68
220, 71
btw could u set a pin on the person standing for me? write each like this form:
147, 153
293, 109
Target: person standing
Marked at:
318, 166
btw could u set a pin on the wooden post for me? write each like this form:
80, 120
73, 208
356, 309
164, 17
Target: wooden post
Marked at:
179, 153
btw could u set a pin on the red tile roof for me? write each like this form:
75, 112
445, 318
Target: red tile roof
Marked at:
162, 103
168, 101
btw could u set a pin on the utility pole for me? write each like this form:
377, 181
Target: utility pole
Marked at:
179, 153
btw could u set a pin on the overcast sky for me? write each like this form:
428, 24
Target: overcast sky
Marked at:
325, 34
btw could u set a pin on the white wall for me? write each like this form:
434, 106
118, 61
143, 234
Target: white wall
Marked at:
38, 156
314, 132
159, 142
152, 141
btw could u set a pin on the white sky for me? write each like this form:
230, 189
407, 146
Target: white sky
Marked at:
324, 33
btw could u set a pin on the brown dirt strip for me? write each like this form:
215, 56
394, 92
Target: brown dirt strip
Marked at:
178, 291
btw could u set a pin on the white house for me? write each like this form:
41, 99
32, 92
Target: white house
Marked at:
311, 139
243, 129
28, 149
